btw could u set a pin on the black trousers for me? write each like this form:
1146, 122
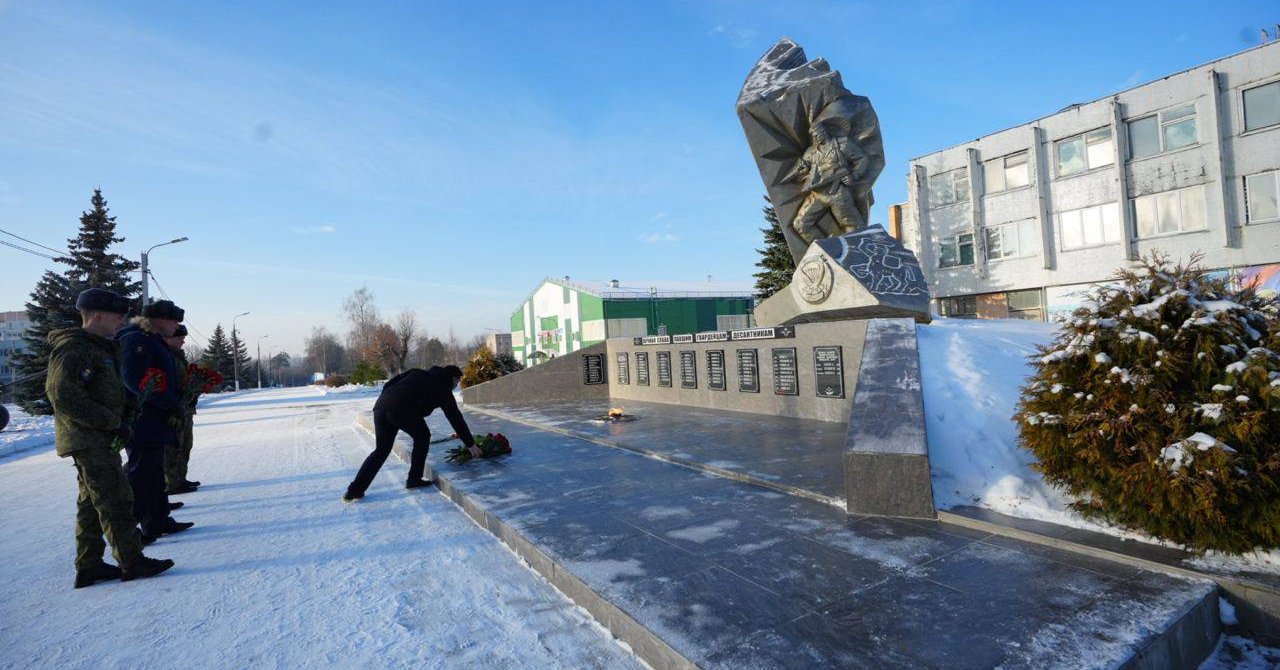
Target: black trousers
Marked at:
386, 425
146, 476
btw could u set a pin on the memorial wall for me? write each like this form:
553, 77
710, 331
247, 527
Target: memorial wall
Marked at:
807, 371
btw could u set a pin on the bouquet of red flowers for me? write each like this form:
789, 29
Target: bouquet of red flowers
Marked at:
154, 381
200, 380
486, 446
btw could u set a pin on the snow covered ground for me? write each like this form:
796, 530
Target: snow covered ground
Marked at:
25, 432
277, 571
973, 373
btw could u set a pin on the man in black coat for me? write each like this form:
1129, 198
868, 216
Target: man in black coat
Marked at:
143, 349
404, 404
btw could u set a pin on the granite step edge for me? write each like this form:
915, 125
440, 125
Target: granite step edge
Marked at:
1257, 603
668, 458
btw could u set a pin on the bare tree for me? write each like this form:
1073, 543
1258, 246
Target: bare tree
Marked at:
362, 315
406, 329
324, 353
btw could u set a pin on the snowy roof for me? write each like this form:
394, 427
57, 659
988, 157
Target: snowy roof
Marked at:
619, 289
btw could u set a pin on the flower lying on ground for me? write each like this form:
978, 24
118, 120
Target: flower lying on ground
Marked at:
486, 446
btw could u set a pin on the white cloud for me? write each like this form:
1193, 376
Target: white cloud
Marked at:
313, 230
738, 36
659, 238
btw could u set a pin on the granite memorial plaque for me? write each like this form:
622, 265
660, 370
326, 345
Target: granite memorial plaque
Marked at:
664, 368
593, 369
748, 371
624, 368
715, 370
642, 368
786, 372
828, 371
688, 370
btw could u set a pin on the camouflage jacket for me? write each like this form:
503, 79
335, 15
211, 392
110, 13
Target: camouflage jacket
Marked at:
84, 386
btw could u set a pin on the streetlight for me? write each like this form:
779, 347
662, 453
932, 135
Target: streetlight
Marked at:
235, 349
270, 369
260, 339
145, 255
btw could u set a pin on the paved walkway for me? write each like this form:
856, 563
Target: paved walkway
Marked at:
732, 575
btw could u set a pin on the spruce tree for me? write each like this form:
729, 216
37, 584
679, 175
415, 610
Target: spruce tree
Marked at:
89, 263
240, 353
1158, 408
775, 262
217, 356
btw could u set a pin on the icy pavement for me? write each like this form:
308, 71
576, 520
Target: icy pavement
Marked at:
278, 572
25, 432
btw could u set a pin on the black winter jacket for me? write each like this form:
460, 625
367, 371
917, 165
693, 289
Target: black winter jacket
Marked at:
419, 392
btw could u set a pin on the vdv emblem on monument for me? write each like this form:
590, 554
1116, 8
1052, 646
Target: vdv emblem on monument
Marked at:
816, 279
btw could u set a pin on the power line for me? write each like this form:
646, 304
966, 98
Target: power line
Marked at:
30, 251
166, 297
56, 251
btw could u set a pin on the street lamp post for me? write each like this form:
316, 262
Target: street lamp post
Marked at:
146, 273
271, 381
235, 349
260, 339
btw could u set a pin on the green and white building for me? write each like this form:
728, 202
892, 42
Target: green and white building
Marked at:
561, 316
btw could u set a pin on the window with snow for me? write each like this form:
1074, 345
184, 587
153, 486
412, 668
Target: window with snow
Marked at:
1084, 152
949, 187
1089, 226
1006, 173
1168, 130
955, 251
1262, 196
1011, 240
1170, 212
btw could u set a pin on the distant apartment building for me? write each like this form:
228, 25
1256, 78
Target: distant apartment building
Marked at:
12, 326
1017, 223
498, 343
562, 316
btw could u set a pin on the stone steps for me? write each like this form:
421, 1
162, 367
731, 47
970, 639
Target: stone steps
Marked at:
695, 570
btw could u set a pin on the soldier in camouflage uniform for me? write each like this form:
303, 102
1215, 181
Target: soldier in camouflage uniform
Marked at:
178, 455
92, 410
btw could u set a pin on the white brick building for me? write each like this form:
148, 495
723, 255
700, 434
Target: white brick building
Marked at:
1015, 223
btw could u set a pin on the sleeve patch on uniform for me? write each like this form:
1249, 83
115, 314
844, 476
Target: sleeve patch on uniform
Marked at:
86, 374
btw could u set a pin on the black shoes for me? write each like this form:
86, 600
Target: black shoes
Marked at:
188, 482
101, 572
350, 497
417, 483
177, 527
184, 488
147, 567
176, 505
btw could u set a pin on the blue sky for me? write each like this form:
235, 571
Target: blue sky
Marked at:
450, 155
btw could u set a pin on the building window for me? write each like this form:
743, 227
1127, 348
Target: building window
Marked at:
1027, 304
1089, 227
1085, 152
1262, 196
1171, 129
1009, 240
955, 251
949, 187
963, 307
1262, 106
1006, 173
1170, 212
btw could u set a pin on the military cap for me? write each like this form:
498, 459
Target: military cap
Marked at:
163, 309
102, 300
180, 331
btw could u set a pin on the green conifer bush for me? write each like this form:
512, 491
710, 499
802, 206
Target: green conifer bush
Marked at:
1158, 408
